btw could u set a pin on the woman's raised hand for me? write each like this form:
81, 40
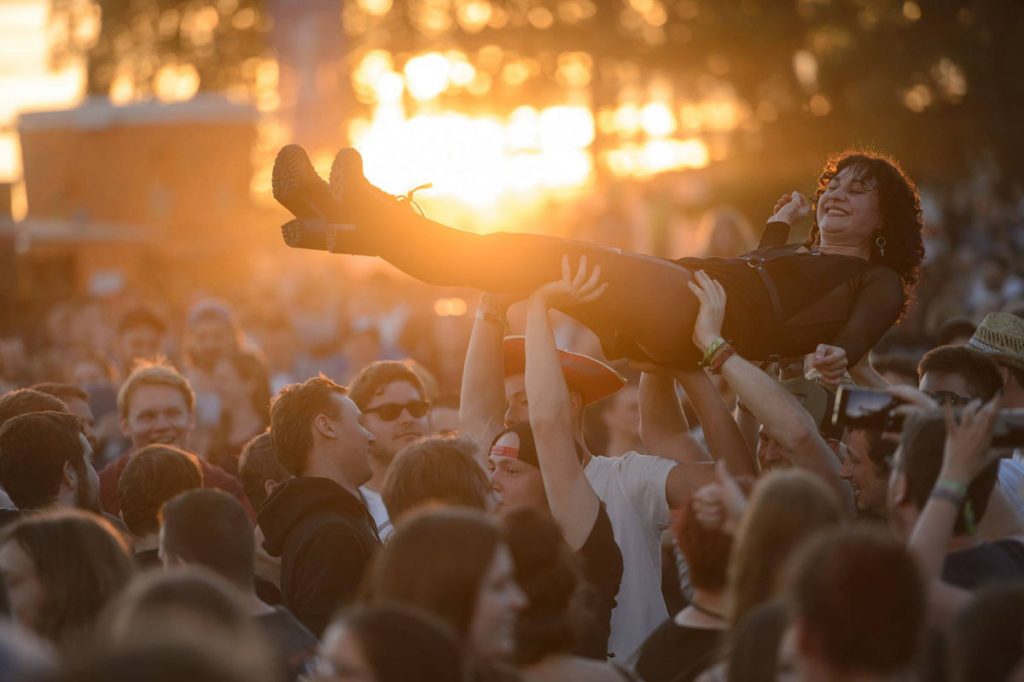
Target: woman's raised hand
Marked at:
712, 309
573, 289
791, 209
830, 362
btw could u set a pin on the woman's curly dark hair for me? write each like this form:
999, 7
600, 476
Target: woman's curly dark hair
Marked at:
899, 204
548, 573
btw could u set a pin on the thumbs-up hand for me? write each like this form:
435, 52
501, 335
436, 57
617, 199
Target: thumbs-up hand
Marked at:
720, 505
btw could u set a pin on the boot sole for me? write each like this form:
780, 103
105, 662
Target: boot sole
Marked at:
292, 172
315, 234
297, 187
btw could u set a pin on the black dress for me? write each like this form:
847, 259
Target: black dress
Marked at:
786, 306
844, 301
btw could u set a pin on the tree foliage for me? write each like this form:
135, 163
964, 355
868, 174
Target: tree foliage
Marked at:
937, 82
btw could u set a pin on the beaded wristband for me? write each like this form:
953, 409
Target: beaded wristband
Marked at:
951, 491
709, 353
713, 356
720, 358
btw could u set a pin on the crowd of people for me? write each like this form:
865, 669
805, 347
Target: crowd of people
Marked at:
237, 494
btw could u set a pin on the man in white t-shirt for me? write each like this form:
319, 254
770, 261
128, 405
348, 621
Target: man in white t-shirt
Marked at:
393, 401
637, 490
633, 490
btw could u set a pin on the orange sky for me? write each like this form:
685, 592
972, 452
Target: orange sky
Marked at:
25, 80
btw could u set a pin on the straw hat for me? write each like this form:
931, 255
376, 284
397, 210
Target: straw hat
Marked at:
592, 378
1001, 335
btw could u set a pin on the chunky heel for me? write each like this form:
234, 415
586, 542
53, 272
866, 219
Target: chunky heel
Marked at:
307, 233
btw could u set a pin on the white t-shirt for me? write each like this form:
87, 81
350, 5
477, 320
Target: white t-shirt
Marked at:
375, 505
632, 488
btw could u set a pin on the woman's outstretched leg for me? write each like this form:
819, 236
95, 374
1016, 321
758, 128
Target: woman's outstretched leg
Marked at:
647, 303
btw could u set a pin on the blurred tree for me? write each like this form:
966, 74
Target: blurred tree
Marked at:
171, 48
936, 83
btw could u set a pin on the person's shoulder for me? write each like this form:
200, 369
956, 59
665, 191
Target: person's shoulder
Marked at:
641, 460
283, 623
1009, 467
331, 539
879, 272
215, 473
629, 464
628, 459
113, 467
664, 633
334, 526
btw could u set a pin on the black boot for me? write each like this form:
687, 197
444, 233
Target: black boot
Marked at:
376, 214
297, 187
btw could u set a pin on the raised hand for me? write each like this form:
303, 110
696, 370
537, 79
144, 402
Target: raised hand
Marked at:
791, 209
573, 289
720, 505
830, 362
968, 441
712, 309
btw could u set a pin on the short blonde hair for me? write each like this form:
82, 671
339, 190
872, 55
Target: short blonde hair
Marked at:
153, 374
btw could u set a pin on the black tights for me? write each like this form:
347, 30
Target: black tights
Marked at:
646, 313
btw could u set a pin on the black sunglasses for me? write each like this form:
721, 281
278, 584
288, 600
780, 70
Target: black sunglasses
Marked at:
949, 398
389, 412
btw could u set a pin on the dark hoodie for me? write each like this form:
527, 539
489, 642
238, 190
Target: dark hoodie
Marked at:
325, 538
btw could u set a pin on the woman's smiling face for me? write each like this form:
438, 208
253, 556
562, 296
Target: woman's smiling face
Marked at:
848, 210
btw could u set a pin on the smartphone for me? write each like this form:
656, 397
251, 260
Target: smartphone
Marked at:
866, 408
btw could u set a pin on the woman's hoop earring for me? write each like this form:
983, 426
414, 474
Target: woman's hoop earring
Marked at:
880, 243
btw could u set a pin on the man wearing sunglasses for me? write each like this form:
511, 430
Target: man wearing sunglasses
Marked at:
393, 401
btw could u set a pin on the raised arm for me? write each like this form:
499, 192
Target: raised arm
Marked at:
966, 454
875, 309
784, 418
482, 401
723, 437
865, 375
663, 426
573, 503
